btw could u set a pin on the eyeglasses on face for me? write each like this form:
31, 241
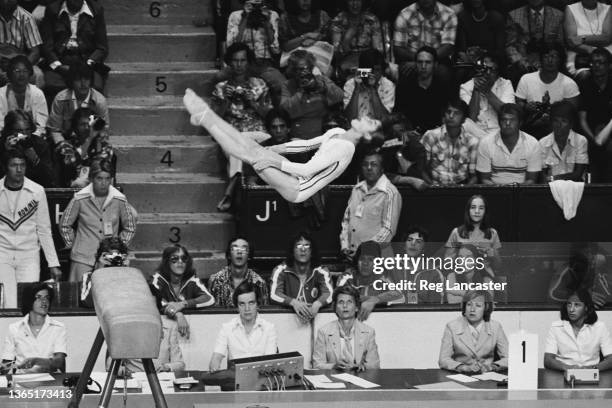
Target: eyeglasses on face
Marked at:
175, 258
302, 246
239, 248
42, 297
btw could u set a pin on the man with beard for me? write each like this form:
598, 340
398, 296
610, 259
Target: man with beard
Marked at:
247, 335
300, 282
223, 283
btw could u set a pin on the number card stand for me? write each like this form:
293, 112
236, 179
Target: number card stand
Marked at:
523, 361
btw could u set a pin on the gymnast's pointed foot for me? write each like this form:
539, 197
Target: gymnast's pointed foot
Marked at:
196, 106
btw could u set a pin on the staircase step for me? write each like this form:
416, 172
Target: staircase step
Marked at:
205, 263
180, 154
164, 12
153, 79
175, 193
196, 231
154, 115
160, 43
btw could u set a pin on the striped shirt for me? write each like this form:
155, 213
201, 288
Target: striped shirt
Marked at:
413, 30
20, 30
509, 167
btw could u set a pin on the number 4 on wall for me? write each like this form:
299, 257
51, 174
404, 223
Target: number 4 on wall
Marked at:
167, 158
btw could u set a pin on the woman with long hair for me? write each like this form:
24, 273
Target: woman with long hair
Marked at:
178, 286
467, 270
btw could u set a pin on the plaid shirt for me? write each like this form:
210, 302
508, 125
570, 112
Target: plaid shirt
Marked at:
222, 289
413, 30
451, 163
369, 33
20, 30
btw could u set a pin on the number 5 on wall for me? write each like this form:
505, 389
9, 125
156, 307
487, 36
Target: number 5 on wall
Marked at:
523, 361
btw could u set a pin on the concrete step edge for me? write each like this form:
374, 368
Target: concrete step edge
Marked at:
171, 102
187, 67
167, 178
162, 141
189, 218
121, 30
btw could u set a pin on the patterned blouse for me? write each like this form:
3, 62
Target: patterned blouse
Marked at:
222, 289
291, 27
240, 113
369, 33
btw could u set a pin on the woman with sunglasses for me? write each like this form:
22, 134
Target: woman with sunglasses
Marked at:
179, 287
36, 343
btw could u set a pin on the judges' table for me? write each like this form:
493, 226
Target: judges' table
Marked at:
396, 390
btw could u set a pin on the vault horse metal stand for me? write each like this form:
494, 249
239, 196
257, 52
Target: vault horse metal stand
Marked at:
131, 326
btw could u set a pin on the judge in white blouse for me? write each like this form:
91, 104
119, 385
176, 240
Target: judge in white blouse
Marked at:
578, 339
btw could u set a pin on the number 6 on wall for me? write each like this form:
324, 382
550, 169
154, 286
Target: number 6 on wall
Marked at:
523, 361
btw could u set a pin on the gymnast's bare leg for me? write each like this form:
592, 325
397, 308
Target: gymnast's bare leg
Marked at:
244, 148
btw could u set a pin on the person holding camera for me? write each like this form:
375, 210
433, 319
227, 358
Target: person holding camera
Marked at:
97, 211
17, 134
110, 252
307, 97
486, 93
20, 94
25, 227
369, 93
87, 141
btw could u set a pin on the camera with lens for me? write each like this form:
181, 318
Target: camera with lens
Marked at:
96, 123
114, 259
256, 18
364, 73
67, 153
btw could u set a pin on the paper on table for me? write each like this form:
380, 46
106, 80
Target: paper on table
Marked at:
186, 380
360, 382
492, 376
317, 378
462, 378
321, 381
446, 385
142, 376
329, 385
37, 377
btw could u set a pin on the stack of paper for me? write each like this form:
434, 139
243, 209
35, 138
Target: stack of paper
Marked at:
360, 382
491, 376
462, 378
322, 382
37, 377
166, 382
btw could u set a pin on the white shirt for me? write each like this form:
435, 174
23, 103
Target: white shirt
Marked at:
20, 343
575, 152
487, 116
582, 350
532, 89
234, 342
74, 18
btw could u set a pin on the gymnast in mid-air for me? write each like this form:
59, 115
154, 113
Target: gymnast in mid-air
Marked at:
295, 182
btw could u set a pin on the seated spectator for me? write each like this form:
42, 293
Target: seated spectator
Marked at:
221, 11
486, 93
474, 343
302, 24
353, 31
586, 269
20, 37
73, 32
510, 156
586, 27
528, 28
300, 282
421, 95
452, 148
87, 141
404, 156
346, 344
369, 93
536, 91
25, 230
388, 10
20, 94
36, 343
476, 230
80, 94
257, 26
480, 30
564, 152
470, 271
17, 134
414, 246
307, 97
373, 209
425, 23
596, 113
110, 252
223, 283
95, 212
170, 355
579, 338
242, 101
177, 283
247, 335
362, 277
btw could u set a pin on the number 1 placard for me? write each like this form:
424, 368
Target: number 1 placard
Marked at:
523, 361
